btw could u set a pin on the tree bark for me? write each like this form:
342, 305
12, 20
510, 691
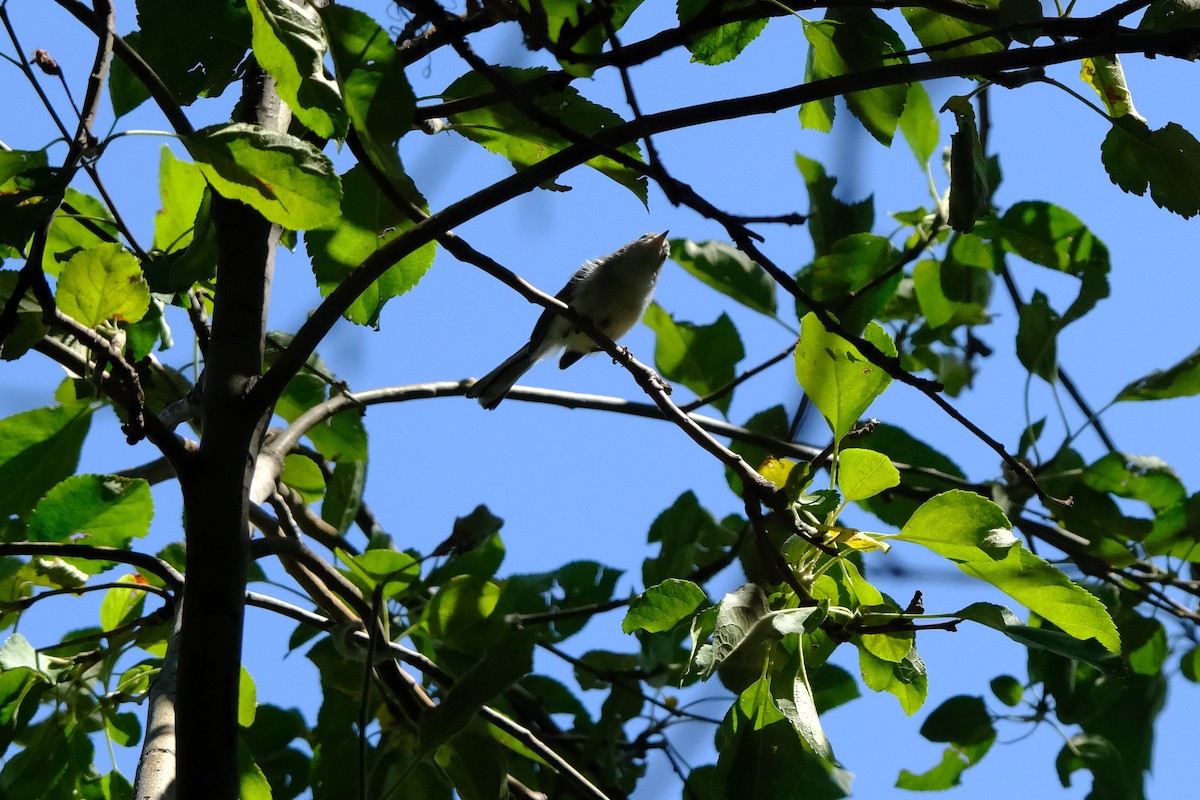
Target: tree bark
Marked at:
216, 492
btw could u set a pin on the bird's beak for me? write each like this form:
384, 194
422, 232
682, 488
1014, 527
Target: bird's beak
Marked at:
662, 237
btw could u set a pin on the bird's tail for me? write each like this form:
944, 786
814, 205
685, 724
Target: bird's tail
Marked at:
492, 388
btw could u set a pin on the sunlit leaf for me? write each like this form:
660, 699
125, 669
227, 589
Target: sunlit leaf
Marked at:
38, 449
105, 510
289, 43
836, 376
1105, 75
284, 178
367, 222
854, 40
1179, 380
662, 607
103, 283
721, 43
864, 473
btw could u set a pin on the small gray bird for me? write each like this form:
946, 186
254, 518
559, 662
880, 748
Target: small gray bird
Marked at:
612, 291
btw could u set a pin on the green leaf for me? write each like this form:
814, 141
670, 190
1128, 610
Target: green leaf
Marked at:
282, 177
1145, 644
103, 283
961, 526
506, 130
900, 446
927, 284
1007, 689
970, 195
1097, 755
375, 89
975, 534
181, 189
38, 449
1054, 237
578, 30
1169, 15
68, 234
303, 475
576, 584
476, 764
121, 605
947, 773
831, 686
864, 473
252, 783
123, 728
838, 279
29, 328
35, 771
18, 654
1145, 478
461, 613
918, 123
660, 608
801, 711
1044, 589
701, 357
729, 271
689, 538
289, 43
836, 376
829, 219
104, 510
397, 570
343, 436
504, 663
196, 48
935, 30
1036, 338
247, 699
721, 43
962, 720
906, 680
29, 189
367, 222
1189, 664
762, 757
1179, 380
1167, 160
1024, 15
855, 40
343, 498
1001, 619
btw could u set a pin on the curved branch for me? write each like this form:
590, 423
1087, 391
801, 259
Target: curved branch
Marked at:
93, 552
326, 315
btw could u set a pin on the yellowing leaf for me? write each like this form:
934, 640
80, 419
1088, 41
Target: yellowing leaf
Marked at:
1104, 74
103, 283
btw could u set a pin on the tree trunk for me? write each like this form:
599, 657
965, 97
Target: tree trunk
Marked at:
216, 493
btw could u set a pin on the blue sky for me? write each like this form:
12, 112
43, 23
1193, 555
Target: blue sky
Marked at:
583, 485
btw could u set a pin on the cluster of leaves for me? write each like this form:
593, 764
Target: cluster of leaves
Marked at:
867, 308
